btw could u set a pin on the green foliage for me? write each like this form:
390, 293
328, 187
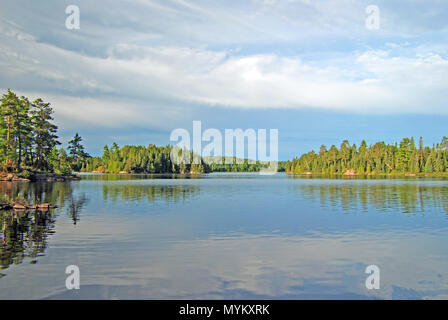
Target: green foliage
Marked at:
243, 165
376, 159
140, 159
78, 155
61, 163
27, 134
16, 129
26, 174
45, 138
153, 159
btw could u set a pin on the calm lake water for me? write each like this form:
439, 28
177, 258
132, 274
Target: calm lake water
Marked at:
227, 236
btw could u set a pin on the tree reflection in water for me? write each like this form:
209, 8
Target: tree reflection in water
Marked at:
382, 196
25, 233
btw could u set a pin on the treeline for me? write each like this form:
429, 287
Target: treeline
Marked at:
139, 159
235, 167
379, 158
29, 143
28, 138
153, 159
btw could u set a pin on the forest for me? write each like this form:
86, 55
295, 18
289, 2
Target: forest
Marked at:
379, 158
29, 144
139, 159
153, 159
29, 141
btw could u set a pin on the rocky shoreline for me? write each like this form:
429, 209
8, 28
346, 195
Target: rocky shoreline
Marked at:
50, 177
23, 206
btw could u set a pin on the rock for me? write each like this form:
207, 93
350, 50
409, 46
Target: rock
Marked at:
123, 172
19, 207
20, 179
350, 172
410, 175
7, 177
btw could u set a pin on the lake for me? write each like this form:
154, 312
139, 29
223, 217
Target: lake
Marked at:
227, 236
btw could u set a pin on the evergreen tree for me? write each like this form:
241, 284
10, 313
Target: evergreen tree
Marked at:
77, 152
16, 127
106, 153
45, 137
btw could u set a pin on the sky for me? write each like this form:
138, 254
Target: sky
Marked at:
136, 70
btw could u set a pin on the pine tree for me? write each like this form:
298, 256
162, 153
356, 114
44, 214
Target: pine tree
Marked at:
106, 153
428, 165
45, 137
16, 127
9, 102
77, 152
404, 152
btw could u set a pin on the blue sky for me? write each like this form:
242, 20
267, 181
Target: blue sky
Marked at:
136, 70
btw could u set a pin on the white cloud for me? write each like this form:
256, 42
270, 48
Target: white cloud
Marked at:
375, 81
139, 73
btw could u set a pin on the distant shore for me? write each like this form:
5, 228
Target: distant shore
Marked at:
372, 174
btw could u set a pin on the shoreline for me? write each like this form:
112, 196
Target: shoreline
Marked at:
394, 175
37, 177
52, 177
